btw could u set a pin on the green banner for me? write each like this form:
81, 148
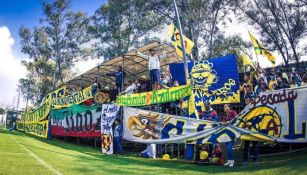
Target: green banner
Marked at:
154, 97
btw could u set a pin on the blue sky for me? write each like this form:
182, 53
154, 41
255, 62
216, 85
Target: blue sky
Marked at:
17, 13
13, 15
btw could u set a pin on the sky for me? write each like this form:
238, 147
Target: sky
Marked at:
13, 15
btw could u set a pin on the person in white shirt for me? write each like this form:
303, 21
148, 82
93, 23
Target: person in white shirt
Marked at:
131, 88
149, 152
153, 66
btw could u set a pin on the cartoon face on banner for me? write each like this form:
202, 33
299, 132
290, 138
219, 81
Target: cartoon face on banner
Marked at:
215, 80
207, 87
144, 125
106, 140
203, 75
263, 119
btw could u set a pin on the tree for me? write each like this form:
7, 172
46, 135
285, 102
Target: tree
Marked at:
62, 36
201, 21
120, 25
55, 45
281, 24
27, 89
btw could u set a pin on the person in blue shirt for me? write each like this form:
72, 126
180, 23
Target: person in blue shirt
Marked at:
209, 114
119, 77
117, 135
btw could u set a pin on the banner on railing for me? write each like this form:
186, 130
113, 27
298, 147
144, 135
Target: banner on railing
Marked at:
154, 97
151, 127
76, 98
38, 128
20, 125
76, 121
281, 114
215, 80
37, 114
60, 92
108, 115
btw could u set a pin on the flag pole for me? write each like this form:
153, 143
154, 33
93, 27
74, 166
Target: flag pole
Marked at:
182, 42
183, 49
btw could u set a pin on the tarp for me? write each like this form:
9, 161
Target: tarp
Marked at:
76, 121
215, 80
281, 114
151, 127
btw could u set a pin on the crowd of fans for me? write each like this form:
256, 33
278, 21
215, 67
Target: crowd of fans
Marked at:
255, 81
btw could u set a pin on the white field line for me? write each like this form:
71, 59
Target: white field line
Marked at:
41, 161
14, 153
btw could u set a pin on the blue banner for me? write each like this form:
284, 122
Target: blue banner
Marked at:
215, 80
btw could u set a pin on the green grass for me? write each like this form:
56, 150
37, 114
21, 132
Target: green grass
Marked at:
73, 159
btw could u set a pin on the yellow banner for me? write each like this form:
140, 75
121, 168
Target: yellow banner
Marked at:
37, 128
60, 92
38, 114
154, 97
20, 125
76, 98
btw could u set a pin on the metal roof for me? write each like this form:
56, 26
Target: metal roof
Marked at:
133, 65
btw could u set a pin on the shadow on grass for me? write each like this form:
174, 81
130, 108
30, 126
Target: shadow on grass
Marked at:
127, 163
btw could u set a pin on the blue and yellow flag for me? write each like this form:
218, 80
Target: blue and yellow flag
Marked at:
176, 42
259, 50
215, 80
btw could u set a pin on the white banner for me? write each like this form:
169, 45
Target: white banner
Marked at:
151, 127
108, 116
281, 114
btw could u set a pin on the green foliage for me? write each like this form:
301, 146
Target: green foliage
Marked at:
54, 46
120, 25
281, 24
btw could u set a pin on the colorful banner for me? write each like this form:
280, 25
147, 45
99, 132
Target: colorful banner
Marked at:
76, 98
76, 121
215, 80
108, 115
151, 127
154, 97
37, 128
281, 114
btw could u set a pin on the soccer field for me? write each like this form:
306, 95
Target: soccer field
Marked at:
24, 154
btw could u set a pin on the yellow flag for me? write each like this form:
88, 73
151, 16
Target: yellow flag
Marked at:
259, 50
176, 42
247, 60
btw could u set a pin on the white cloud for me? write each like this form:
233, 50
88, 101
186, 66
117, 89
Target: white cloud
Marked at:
83, 66
11, 69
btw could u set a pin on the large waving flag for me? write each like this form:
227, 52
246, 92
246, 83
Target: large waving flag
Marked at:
175, 39
260, 50
247, 61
